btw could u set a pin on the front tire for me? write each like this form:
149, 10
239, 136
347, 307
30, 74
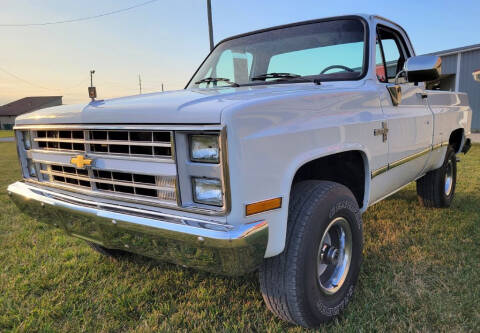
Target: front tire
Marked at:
314, 278
437, 188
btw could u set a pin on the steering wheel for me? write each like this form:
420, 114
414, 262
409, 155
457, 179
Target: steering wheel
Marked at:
345, 68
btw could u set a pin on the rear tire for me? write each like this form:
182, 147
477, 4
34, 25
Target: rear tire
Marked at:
314, 278
115, 254
437, 188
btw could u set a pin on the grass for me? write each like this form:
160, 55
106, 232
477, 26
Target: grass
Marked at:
6, 133
421, 271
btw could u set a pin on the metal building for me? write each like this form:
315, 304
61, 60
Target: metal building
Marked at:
457, 68
10, 111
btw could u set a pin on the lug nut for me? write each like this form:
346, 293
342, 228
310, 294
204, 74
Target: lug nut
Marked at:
330, 254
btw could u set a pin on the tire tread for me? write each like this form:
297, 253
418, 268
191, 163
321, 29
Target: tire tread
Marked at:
430, 187
277, 282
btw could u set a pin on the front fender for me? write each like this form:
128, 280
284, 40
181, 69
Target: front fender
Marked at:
268, 141
278, 230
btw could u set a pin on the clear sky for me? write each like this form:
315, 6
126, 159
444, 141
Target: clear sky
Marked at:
165, 41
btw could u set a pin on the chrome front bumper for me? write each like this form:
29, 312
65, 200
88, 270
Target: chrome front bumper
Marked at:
209, 246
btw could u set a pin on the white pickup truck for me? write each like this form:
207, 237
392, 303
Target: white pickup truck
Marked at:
266, 160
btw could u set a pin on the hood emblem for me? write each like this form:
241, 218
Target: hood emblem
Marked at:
80, 161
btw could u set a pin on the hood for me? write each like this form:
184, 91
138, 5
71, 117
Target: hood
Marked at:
174, 107
195, 106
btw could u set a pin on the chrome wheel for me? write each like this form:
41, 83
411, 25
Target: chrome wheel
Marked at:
449, 178
334, 255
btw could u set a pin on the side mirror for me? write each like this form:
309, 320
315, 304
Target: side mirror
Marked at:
476, 75
423, 68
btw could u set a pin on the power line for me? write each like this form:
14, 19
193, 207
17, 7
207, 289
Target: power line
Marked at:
68, 89
62, 90
83, 81
80, 18
24, 81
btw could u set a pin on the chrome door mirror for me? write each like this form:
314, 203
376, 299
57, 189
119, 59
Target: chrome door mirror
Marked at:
476, 75
423, 68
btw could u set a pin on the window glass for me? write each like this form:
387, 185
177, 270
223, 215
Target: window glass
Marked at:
392, 57
233, 66
395, 56
341, 58
328, 50
379, 64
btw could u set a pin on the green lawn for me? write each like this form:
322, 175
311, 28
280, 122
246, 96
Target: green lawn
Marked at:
421, 271
6, 134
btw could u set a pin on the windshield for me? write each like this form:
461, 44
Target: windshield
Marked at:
325, 51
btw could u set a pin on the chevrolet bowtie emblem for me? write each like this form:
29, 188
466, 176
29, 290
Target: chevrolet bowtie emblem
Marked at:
80, 161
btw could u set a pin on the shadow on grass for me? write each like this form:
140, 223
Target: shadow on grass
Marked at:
150, 264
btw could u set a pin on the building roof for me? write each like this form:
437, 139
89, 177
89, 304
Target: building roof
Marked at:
28, 104
457, 50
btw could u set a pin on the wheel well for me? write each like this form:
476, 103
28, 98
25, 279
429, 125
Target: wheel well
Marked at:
456, 139
346, 168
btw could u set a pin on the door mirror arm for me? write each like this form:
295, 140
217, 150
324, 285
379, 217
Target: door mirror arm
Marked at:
399, 74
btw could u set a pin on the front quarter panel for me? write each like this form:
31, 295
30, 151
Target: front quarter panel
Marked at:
271, 138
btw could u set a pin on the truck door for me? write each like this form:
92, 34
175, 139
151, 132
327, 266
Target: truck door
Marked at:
409, 125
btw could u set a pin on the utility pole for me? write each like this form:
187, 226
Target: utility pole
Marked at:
140, 83
162, 87
210, 27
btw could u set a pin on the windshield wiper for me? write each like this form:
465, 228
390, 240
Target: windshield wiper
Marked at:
209, 80
284, 77
265, 76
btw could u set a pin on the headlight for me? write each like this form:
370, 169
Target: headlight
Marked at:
27, 140
204, 148
31, 168
207, 191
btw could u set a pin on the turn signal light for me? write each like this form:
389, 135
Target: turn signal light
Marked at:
263, 206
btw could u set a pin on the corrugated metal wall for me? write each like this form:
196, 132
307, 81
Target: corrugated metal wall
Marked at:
449, 64
471, 61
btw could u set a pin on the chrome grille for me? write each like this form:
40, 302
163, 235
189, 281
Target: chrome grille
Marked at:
122, 183
60, 140
136, 143
134, 164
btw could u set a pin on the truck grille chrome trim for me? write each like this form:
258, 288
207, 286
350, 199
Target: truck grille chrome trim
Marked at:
145, 150
161, 187
153, 144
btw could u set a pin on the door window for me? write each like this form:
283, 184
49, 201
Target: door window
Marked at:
392, 52
379, 64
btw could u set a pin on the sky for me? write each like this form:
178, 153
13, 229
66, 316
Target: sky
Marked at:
165, 41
